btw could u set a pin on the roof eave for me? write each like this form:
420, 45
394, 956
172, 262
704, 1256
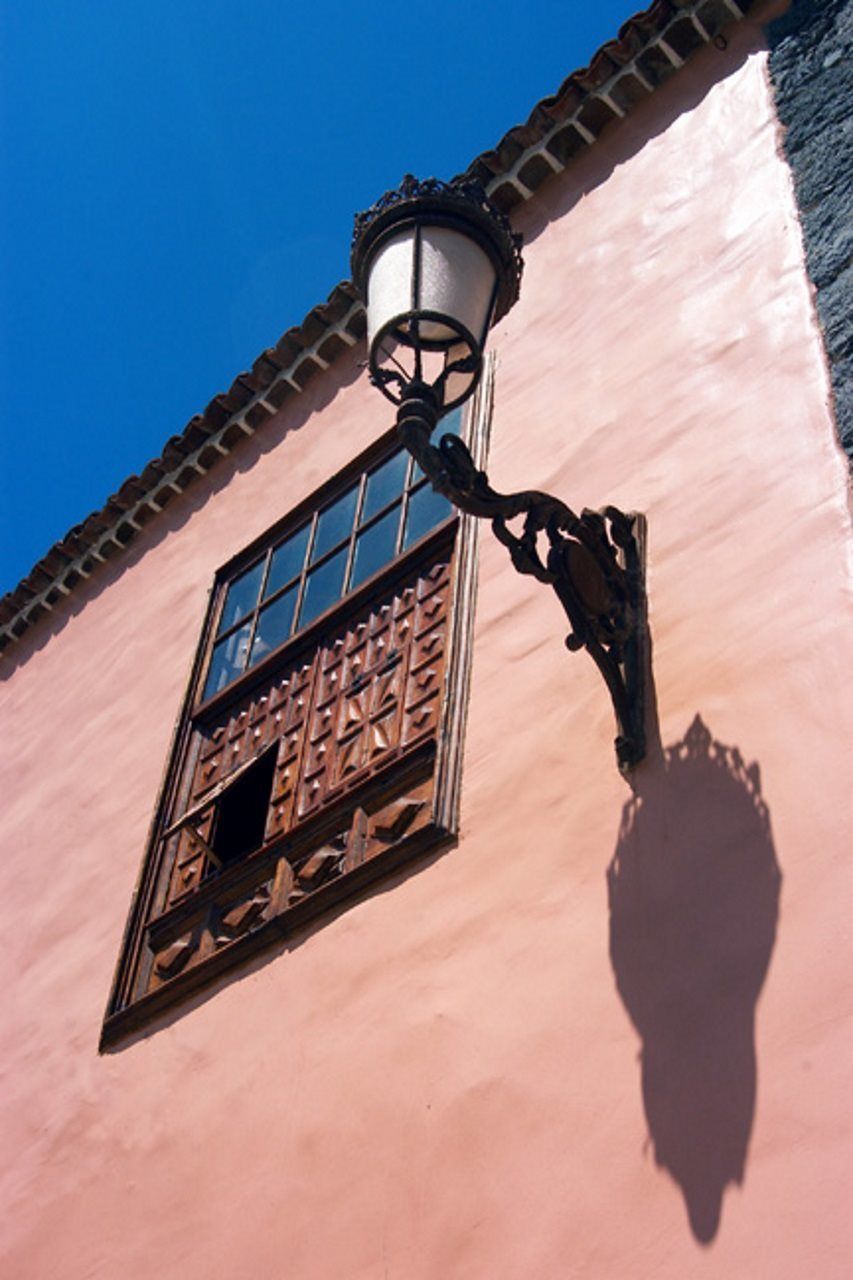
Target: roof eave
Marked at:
650, 48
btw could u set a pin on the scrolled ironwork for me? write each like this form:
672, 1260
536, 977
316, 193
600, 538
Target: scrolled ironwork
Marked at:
593, 561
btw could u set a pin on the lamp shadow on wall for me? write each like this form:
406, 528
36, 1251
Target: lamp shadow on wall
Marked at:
694, 890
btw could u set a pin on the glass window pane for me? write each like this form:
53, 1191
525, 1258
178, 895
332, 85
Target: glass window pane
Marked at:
375, 547
426, 509
274, 624
323, 587
334, 524
384, 485
227, 660
287, 561
242, 596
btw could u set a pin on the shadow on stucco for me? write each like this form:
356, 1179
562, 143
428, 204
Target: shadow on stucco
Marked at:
694, 898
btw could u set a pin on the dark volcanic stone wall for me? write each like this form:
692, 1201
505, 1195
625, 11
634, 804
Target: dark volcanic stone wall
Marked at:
811, 64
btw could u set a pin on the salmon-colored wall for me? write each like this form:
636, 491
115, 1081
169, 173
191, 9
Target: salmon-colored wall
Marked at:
608, 1034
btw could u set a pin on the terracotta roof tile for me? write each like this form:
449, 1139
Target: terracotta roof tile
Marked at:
649, 48
217, 412
264, 370
288, 348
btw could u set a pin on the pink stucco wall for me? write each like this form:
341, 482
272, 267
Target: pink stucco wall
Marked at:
596, 1039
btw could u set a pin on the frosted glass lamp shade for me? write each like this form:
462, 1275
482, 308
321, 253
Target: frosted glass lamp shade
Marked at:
454, 282
436, 265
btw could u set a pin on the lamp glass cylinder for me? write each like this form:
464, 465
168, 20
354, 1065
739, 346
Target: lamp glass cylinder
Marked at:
436, 276
436, 264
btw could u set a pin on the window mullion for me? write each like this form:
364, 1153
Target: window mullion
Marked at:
251, 640
359, 505
404, 515
303, 577
309, 551
362, 487
264, 577
348, 569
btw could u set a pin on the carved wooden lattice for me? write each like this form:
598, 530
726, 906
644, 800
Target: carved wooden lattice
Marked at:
353, 728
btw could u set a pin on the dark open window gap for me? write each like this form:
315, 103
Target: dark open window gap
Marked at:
241, 811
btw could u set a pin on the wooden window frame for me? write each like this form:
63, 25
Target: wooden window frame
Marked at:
430, 772
308, 515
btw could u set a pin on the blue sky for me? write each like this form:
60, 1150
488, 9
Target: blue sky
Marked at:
179, 180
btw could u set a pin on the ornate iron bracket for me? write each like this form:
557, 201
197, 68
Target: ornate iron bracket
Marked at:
593, 561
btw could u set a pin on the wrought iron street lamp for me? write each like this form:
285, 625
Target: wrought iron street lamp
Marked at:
438, 265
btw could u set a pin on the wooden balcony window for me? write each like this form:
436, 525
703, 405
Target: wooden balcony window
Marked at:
320, 741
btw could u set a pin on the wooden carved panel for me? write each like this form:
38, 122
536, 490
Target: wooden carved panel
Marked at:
369, 694
344, 736
269, 889
378, 688
275, 716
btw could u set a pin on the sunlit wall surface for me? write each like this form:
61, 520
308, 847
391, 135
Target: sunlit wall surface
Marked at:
605, 1035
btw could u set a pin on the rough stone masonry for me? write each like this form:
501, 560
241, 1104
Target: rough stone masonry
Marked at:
812, 72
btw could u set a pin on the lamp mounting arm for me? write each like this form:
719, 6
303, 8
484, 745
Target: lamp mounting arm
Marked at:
593, 561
